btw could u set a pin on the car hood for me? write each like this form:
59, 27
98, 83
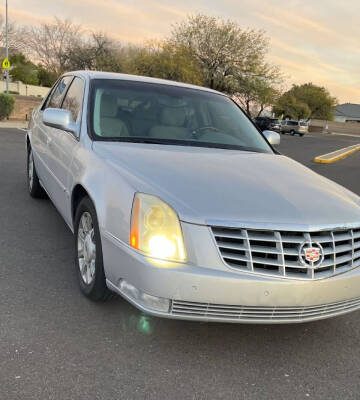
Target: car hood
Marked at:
233, 188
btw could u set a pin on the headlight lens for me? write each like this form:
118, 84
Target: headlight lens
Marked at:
155, 229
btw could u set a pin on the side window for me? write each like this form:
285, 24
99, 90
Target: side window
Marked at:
74, 98
56, 96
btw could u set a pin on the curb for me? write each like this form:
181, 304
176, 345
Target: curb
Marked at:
337, 154
14, 124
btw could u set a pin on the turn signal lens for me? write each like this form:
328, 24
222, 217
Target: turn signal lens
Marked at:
155, 229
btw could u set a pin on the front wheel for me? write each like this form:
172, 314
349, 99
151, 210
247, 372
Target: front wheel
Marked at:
88, 253
34, 186
292, 132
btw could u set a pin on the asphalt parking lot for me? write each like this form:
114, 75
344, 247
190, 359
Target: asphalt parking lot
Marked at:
56, 344
346, 172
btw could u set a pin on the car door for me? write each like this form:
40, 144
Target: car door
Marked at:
39, 137
286, 127
66, 144
45, 151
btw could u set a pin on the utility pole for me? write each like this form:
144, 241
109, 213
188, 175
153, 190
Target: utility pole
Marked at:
7, 47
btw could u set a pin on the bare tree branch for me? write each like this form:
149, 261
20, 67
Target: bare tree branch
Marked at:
16, 36
49, 43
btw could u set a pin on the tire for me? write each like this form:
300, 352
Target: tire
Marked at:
87, 244
301, 134
34, 186
292, 132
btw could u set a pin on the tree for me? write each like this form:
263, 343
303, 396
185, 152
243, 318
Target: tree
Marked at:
45, 77
167, 61
50, 43
27, 72
6, 105
289, 107
16, 36
97, 53
318, 99
255, 93
267, 96
221, 48
23, 70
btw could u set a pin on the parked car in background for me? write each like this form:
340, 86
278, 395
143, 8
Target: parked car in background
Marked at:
179, 204
268, 124
294, 127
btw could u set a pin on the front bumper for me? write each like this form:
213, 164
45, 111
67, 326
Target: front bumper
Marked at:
213, 292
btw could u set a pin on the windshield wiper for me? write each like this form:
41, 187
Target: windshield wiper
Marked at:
188, 143
140, 140
167, 142
148, 140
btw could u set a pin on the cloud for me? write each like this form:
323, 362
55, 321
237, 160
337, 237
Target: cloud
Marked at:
129, 22
311, 40
25, 17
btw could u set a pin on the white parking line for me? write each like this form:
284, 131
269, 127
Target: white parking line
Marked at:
345, 134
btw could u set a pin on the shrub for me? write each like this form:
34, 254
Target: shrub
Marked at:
6, 105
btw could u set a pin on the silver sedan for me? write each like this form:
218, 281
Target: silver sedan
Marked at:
180, 205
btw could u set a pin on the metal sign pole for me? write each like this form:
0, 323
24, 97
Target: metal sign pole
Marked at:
7, 48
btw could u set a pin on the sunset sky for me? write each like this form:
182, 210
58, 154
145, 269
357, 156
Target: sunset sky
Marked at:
317, 41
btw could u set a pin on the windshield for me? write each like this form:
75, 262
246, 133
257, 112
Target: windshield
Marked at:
154, 113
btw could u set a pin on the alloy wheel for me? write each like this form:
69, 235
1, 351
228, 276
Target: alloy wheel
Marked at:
31, 169
86, 248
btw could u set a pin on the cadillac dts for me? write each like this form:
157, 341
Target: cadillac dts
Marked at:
178, 203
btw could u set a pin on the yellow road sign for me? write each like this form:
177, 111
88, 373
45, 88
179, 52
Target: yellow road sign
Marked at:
5, 64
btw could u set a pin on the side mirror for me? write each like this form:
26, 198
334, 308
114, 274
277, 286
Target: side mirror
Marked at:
59, 119
272, 137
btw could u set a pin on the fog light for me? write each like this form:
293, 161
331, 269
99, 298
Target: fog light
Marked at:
144, 299
155, 303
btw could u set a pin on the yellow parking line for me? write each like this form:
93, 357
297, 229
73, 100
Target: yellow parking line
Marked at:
337, 155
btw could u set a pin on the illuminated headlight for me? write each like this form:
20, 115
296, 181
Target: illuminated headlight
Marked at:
155, 229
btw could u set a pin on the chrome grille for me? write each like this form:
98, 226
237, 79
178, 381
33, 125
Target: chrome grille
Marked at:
277, 252
235, 313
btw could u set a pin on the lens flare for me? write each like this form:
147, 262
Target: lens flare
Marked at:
160, 246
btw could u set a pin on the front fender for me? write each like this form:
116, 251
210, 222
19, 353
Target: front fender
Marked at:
111, 193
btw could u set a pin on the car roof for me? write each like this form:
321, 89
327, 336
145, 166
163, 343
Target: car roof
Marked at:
137, 78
